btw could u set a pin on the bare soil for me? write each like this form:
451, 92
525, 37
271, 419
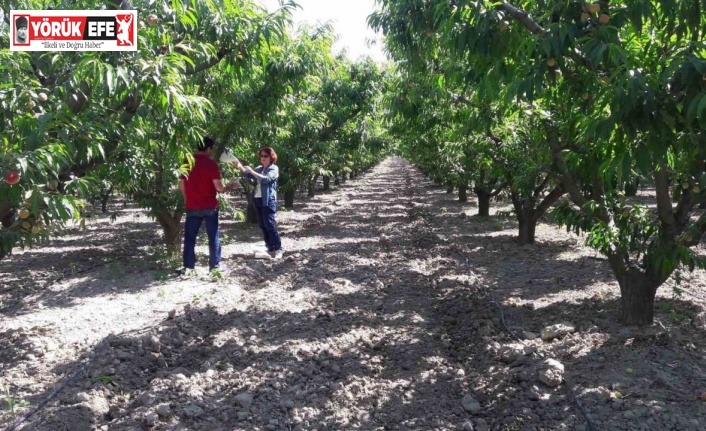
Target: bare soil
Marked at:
394, 309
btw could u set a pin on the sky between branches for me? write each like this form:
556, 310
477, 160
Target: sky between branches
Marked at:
349, 20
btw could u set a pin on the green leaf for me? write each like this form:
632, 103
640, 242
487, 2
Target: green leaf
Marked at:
643, 159
123, 74
109, 78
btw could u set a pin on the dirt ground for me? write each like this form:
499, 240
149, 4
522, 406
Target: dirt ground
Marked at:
388, 312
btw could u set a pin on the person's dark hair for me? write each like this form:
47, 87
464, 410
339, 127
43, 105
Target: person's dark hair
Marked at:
269, 151
21, 22
206, 143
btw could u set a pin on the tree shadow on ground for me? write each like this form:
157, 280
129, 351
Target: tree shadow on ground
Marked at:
236, 371
237, 347
392, 345
595, 357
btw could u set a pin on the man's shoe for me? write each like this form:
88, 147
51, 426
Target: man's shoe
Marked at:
277, 254
262, 255
185, 271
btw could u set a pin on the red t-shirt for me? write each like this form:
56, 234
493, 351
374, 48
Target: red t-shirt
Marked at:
200, 191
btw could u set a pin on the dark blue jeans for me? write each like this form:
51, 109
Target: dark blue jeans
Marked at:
191, 231
266, 221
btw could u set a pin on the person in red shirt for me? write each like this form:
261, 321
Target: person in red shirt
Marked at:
199, 189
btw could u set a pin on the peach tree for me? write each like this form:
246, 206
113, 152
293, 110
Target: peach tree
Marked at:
622, 92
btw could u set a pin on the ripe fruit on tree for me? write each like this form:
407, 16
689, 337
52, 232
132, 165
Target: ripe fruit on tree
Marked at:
42, 97
36, 229
52, 185
594, 8
152, 20
503, 25
551, 62
603, 19
26, 225
585, 17
12, 177
24, 213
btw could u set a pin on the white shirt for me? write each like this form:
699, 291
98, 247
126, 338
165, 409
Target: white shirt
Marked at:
258, 190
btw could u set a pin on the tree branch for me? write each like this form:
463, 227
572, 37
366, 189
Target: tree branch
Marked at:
499, 189
549, 200
567, 181
516, 200
523, 17
696, 231
534, 27
222, 53
687, 200
540, 187
664, 202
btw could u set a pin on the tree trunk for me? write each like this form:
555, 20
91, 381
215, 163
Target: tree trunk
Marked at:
289, 199
336, 181
7, 240
528, 226
105, 197
4, 251
311, 188
637, 296
529, 213
327, 183
171, 226
632, 187
449, 189
463, 193
483, 203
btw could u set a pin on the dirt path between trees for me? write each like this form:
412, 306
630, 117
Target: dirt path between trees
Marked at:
383, 315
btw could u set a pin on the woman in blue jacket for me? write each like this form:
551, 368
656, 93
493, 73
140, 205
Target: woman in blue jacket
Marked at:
264, 198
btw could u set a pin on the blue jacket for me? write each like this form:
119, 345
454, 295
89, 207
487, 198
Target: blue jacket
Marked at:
268, 184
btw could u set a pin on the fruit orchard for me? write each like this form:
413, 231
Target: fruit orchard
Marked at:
563, 107
83, 125
499, 228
